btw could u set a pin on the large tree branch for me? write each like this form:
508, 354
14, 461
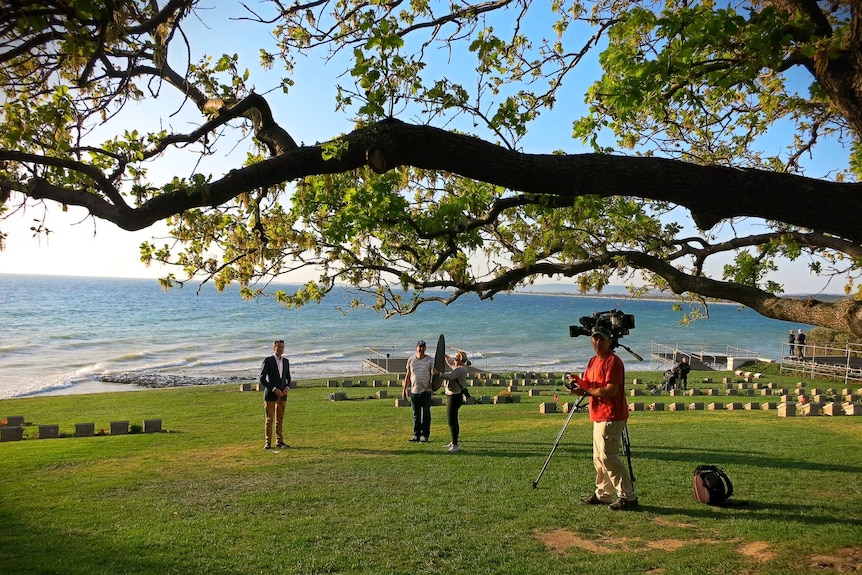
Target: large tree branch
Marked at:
711, 193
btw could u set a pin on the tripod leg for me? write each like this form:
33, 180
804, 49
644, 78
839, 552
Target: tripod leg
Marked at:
557, 442
627, 449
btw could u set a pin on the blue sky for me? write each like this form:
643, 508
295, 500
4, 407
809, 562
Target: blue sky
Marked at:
82, 246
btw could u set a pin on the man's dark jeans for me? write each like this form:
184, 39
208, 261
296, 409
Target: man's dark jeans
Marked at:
421, 403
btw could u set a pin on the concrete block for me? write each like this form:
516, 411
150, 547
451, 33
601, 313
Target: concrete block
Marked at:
734, 405
534, 393
742, 386
675, 392
119, 428
767, 405
656, 406
707, 380
730, 391
362, 383
833, 408
346, 383
152, 426
85, 429
470, 400
635, 392
636, 406
570, 405
811, 409
693, 392
331, 382
436, 400
637, 381
715, 406
676, 406
852, 409
401, 402
696, 406
245, 386
787, 399
15, 421
11, 433
750, 406
786, 410
726, 381
338, 396
547, 407
380, 394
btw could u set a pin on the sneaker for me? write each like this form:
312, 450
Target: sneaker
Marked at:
414, 438
423, 439
593, 499
453, 449
267, 445
623, 504
282, 445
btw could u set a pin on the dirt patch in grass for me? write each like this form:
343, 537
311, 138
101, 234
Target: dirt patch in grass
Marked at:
846, 560
563, 540
758, 550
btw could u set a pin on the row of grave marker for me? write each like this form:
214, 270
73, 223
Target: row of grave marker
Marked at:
14, 429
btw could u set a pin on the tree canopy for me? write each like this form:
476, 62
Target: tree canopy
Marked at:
683, 164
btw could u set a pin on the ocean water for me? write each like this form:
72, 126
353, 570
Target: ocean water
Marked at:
62, 334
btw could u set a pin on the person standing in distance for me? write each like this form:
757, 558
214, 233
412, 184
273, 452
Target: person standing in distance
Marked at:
418, 380
791, 339
275, 381
800, 344
456, 390
604, 383
682, 372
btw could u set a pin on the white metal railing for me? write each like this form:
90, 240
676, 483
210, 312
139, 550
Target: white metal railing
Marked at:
662, 354
817, 359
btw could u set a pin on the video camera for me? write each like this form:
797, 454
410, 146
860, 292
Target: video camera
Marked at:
616, 322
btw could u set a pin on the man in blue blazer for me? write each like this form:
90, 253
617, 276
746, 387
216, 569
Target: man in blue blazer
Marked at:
275, 381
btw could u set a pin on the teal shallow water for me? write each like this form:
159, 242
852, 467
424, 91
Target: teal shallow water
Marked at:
61, 334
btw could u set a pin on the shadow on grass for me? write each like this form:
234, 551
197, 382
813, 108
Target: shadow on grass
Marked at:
754, 510
730, 456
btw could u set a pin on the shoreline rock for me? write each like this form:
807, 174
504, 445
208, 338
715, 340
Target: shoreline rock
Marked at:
158, 381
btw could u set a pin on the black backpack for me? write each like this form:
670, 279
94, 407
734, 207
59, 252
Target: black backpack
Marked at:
711, 485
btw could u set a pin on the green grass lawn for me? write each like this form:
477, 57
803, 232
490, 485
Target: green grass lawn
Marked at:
352, 495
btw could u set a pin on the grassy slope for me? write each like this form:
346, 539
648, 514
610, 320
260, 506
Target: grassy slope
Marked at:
353, 496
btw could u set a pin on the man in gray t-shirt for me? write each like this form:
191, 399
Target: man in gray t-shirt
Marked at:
418, 380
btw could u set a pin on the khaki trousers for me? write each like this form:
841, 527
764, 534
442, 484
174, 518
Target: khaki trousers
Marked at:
275, 412
612, 474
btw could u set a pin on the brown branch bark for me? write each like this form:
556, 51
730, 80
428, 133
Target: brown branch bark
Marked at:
711, 193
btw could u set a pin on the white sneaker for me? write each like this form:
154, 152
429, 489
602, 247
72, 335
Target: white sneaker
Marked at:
423, 439
454, 449
448, 445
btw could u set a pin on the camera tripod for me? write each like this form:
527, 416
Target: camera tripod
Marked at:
627, 446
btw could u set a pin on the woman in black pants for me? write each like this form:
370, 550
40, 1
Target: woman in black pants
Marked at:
455, 389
